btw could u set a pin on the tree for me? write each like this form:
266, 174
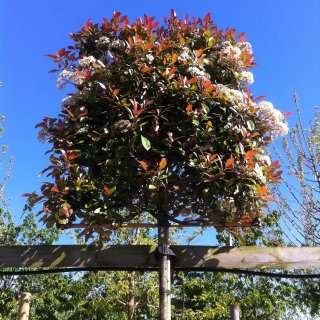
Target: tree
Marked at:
299, 203
161, 123
207, 295
162, 118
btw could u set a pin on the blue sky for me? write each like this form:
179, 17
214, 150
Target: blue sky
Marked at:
284, 35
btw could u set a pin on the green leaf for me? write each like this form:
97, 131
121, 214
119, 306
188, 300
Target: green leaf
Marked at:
250, 125
50, 222
146, 143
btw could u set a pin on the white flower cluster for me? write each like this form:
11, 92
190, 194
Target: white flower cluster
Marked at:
103, 43
236, 97
199, 72
245, 77
276, 120
227, 205
229, 54
185, 55
86, 61
123, 125
66, 102
117, 44
245, 47
264, 160
257, 173
66, 77
83, 129
231, 126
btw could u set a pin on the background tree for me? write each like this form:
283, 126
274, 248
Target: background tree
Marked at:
299, 202
207, 295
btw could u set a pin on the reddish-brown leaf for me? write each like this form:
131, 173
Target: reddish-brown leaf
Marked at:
229, 162
143, 165
263, 190
55, 189
162, 163
268, 199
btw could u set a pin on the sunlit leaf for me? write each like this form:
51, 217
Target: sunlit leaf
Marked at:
263, 190
143, 165
55, 189
146, 143
229, 162
162, 163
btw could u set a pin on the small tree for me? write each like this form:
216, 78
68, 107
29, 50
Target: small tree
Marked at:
299, 203
161, 122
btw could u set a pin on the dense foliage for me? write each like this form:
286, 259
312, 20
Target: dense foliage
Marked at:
161, 122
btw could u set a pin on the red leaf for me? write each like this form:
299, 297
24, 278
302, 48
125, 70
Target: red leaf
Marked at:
143, 165
107, 191
146, 69
192, 80
229, 162
207, 18
172, 71
54, 70
213, 156
27, 195
287, 114
82, 115
268, 199
240, 35
162, 163
259, 98
42, 125
255, 134
88, 24
55, 189
263, 190
51, 56
250, 154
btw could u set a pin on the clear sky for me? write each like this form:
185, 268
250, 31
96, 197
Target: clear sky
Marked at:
285, 36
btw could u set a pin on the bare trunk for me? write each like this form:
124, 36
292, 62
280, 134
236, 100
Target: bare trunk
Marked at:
24, 305
164, 280
131, 306
234, 312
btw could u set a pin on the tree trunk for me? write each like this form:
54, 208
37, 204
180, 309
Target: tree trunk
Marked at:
234, 312
24, 305
164, 279
131, 306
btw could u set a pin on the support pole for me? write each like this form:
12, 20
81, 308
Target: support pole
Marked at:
164, 271
24, 306
234, 312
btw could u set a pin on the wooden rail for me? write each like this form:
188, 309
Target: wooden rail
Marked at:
142, 256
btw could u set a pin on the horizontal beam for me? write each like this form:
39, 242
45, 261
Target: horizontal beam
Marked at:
225, 224
143, 256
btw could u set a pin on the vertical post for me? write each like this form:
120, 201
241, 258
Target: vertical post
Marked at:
24, 305
234, 312
164, 289
169, 286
